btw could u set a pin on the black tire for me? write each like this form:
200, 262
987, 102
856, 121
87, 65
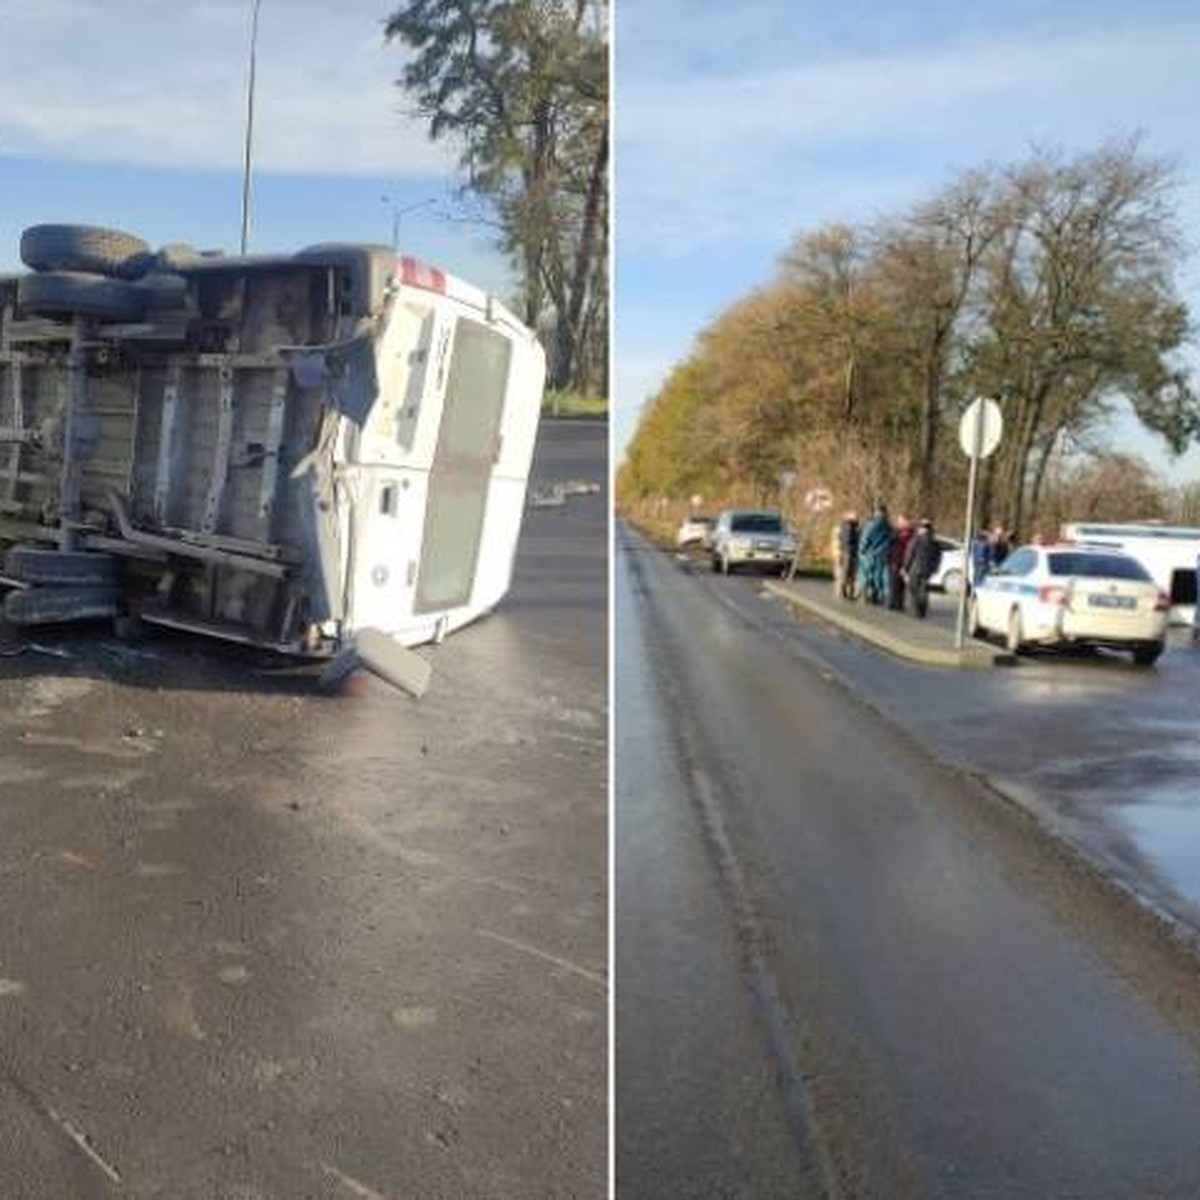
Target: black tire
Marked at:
85, 248
129, 627
1147, 655
67, 293
164, 291
175, 255
716, 563
52, 605
33, 564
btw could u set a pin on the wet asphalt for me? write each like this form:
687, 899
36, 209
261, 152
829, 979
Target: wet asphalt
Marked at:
257, 943
1102, 751
844, 967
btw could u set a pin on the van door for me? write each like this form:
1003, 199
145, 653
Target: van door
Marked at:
468, 446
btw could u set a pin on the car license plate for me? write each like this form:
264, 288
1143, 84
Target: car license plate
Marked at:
764, 546
1103, 601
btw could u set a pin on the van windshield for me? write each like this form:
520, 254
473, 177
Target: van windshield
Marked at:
756, 523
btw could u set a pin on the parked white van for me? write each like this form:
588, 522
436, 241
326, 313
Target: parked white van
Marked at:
324, 453
1169, 552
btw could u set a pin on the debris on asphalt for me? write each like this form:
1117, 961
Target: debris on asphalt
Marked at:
554, 495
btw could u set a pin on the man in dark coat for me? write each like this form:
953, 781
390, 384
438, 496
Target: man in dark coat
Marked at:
847, 555
922, 557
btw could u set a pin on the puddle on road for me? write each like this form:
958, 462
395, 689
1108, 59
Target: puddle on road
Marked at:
1152, 795
1167, 830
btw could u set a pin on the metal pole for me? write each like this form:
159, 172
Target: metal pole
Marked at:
398, 212
74, 398
976, 444
249, 127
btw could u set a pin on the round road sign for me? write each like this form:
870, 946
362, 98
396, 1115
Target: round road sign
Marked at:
980, 428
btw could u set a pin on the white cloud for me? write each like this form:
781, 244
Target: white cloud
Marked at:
707, 158
140, 81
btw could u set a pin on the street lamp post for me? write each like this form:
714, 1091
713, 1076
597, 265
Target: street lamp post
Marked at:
397, 213
249, 126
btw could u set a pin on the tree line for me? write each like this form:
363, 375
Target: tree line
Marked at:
521, 86
1048, 285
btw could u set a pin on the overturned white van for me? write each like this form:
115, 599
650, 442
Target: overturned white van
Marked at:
324, 453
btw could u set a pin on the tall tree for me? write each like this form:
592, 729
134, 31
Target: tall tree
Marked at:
522, 87
1049, 286
1081, 311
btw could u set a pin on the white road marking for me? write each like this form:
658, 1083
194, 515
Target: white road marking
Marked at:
359, 1189
592, 976
81, 1140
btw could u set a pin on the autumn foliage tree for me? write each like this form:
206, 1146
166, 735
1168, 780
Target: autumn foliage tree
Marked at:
1048, 285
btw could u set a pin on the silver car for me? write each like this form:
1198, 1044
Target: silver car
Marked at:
745, 537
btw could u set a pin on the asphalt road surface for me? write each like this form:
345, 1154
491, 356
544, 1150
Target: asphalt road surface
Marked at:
1104, 752
259, 944
843, 967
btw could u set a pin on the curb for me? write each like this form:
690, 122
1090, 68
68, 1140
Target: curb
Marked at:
974, 654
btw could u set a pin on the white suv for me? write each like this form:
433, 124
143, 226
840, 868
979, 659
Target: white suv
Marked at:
751, 537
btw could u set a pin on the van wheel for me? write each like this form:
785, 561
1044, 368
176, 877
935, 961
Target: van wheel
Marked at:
63, 294
1148, 655
52, 605
1012, 637
38, 565
85, 248
715, 563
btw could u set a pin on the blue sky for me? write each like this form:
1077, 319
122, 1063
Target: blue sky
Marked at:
130, 113
741, 125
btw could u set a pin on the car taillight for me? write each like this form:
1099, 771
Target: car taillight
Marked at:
1052, 593
1162, 603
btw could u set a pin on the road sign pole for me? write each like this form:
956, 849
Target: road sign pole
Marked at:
972, 478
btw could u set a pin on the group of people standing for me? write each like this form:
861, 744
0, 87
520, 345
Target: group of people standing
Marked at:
885, 563
989, 550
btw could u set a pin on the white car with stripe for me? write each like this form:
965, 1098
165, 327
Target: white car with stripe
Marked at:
1072, 595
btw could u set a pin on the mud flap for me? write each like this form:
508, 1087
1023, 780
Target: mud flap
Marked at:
383, 656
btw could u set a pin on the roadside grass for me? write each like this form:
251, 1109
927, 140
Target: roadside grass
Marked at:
574, 404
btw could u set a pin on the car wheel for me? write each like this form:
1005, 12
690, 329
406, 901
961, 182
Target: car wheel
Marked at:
716, 563
1148, 655
952, 583
974, 629
1012, 638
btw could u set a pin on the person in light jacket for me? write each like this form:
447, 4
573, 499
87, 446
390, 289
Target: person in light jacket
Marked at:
845, 556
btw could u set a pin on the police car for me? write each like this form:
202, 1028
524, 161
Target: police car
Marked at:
1069, 595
